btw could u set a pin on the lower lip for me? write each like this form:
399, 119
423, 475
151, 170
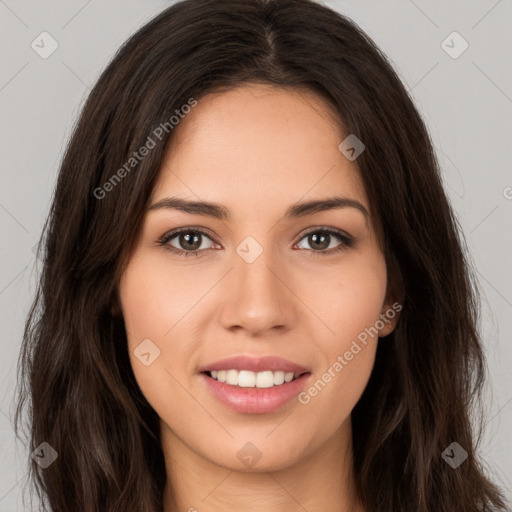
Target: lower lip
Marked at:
255, 400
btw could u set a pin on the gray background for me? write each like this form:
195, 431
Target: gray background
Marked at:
465, 101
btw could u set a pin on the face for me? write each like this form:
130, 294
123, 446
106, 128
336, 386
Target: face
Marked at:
256, 287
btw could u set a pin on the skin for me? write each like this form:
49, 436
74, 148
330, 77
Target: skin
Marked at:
256, 150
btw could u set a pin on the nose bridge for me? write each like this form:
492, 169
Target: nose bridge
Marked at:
256, 298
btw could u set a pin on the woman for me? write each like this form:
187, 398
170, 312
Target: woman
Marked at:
254, 292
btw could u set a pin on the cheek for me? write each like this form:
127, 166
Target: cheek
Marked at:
348, 298
160, 304
149, 319
155, 298
339, 383
350, 303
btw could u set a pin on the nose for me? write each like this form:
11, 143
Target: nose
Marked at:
257, 297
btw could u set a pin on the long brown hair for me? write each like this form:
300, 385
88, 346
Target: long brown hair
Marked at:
74, 370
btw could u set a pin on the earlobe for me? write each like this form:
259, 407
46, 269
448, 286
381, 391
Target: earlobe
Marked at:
388, 328
388, 319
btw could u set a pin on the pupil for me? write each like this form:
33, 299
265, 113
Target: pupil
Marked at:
321, 240
189, 241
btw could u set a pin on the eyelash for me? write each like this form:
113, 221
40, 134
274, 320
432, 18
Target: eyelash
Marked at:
346, 241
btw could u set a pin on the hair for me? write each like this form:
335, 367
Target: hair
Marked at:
74, 365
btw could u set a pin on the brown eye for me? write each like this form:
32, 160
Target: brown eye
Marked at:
319, 240
187, 242
325, 241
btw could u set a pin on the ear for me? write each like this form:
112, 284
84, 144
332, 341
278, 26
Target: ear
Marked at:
393, 302
388, 318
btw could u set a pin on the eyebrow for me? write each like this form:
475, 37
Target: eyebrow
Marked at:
217, 211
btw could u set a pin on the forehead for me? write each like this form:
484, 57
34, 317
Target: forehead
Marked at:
258, 146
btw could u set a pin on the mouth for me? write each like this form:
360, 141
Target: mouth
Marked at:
254, 385
249, 392
249, 379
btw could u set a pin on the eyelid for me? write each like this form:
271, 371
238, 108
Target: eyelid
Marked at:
325, 229
173, 232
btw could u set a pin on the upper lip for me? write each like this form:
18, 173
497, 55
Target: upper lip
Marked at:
255, 364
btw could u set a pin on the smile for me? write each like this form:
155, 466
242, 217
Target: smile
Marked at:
255, 400
249, 379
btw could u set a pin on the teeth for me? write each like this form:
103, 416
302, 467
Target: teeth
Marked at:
278, 378
232, 377
244, 379
248, 379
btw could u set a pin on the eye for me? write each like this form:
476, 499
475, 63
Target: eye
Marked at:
196, 242
187, 241
322, 241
